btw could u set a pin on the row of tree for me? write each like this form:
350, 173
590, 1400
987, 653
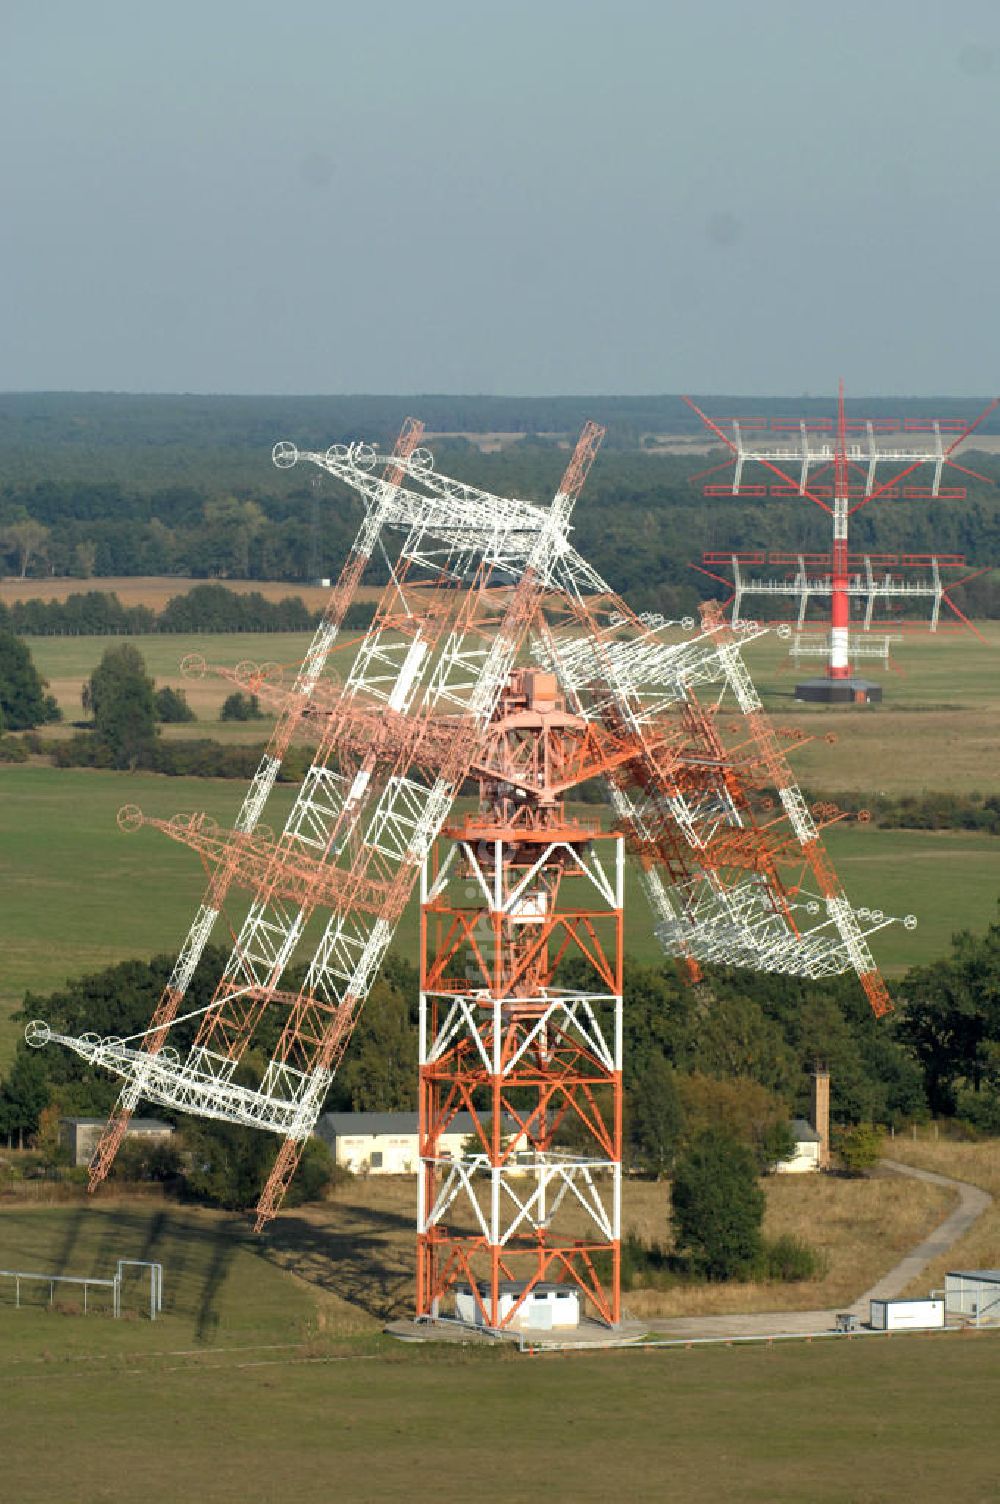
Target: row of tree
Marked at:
741, 1065
205, 608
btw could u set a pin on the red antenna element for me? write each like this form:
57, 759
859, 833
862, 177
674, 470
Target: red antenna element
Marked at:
496, 653
838, 466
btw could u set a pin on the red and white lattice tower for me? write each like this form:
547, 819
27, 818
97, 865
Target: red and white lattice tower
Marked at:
496, 653
511, 894
842, 466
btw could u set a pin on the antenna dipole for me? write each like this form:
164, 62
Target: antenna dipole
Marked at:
483, 591
840, 466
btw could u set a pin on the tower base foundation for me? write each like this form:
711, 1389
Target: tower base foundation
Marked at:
853, 691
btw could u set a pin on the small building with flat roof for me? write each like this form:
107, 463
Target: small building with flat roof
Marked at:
974, 1294
82, 1135
388, 1143
808, 1150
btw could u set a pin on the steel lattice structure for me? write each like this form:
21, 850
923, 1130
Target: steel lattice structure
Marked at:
509, 894
730, 856
841, 466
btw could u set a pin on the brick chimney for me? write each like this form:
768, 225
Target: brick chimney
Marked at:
820, 1115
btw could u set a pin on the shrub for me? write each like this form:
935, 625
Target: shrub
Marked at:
859, 1148
788, 1258
980, 1108
241, 707
170, 706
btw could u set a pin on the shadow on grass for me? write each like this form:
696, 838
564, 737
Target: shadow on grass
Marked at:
363, 1254
63, 1260
196, 1257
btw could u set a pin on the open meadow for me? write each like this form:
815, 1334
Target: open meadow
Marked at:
936, 730
67, 662
262, 1382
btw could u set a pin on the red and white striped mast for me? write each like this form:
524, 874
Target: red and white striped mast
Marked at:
837, 467
839, 666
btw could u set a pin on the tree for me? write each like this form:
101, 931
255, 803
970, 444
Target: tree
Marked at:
227, 1164
170, 706
859, 1148
230, 527
84, 560
120, 695
26, 539
951, 1017
23, 701
742, 1109
240, 707
24, 1095
656, 1117
379, 1074
718, 1206
735, 1039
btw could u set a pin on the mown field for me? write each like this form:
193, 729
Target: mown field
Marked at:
76, 894
260, 1384
937, 727
153, 590
936, 730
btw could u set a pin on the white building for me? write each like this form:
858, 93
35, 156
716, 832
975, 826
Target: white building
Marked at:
385, 1143
973, 1293
808, 1150
547, 1307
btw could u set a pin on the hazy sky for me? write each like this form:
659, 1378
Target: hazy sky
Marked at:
563, 196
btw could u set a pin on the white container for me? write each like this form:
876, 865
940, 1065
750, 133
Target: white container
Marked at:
547, 1307
906, 1315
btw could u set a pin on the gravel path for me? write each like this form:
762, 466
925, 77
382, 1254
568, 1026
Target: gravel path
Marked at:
972, 1202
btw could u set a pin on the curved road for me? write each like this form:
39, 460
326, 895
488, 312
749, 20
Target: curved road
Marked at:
972, 1202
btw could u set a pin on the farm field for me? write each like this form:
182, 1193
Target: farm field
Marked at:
77, 895
154, 591
258, 1384
937, 729
66, 662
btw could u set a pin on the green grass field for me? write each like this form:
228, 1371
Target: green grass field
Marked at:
937, 728
76, 894
67, 661
255, 1385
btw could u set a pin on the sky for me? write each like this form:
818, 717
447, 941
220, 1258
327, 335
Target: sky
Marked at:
561, 196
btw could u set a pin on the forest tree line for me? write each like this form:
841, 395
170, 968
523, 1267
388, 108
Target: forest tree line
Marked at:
642, 520
740, 1061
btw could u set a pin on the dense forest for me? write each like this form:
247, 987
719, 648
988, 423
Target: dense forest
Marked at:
159, 486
